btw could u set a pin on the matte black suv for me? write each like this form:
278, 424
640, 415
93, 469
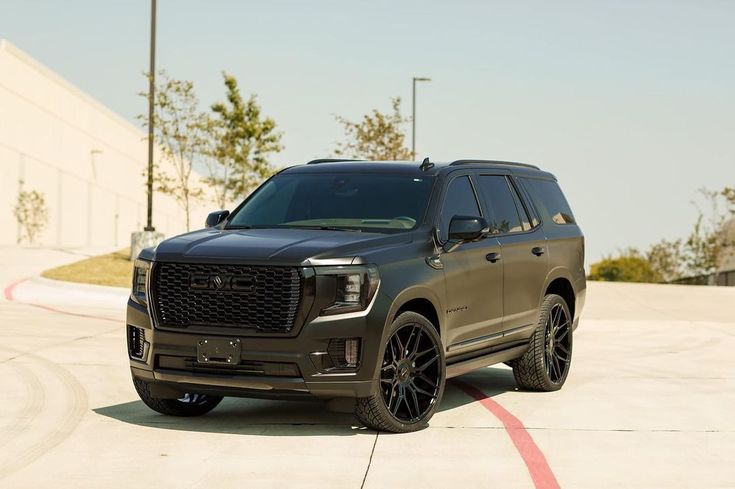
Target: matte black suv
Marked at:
374, 281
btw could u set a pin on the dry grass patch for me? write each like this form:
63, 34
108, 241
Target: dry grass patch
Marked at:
114, 269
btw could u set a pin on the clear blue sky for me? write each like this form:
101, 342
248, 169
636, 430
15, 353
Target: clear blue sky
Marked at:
631, 104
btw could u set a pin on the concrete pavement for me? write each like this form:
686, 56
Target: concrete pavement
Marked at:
649, 403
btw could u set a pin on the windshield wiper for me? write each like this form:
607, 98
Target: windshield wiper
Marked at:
328, 228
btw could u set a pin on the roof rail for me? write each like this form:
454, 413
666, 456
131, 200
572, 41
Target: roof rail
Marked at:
491, 162
329, 160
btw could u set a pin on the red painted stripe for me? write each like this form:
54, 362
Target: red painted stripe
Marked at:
8, 293
538, 467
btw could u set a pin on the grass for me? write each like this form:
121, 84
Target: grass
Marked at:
114, 269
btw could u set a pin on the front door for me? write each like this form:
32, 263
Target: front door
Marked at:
474, 279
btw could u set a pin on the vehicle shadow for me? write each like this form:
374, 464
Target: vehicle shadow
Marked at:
294, 418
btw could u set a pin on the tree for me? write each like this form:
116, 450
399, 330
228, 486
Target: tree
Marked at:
666, 259
242, 142
377, 136
31, 213
629, 266
181, 132
708, 244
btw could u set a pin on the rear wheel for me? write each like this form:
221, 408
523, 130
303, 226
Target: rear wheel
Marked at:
412, 377
186, 405
545, 366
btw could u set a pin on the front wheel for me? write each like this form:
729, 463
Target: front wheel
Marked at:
411, 380
187, 405
545, 366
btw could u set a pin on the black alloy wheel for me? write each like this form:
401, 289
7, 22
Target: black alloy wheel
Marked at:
409, 379
545, 365
558, 349
410, 376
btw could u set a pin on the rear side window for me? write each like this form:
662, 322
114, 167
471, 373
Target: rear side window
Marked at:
504, 208
459, 201
549, 197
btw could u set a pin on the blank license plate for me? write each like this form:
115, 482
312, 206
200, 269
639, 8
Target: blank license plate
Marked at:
225, 351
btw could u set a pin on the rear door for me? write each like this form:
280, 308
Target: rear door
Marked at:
474, 284
523, 251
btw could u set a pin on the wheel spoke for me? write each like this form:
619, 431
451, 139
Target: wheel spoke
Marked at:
428, 363
560, 357
420, 354
425, 378
415, 401
416, 343
401, 347
562, 332
392, 350
394, 400
419, 390
557, 368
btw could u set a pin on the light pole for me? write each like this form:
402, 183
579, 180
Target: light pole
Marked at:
149, 236
151, 100
413, 113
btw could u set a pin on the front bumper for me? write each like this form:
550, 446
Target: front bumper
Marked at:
269, 367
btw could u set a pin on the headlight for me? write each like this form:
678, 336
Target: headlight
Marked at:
140, 276
355, 287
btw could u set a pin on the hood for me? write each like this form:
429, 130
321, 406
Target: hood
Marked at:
304, 247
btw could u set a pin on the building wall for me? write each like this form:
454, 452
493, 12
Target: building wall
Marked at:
86, 160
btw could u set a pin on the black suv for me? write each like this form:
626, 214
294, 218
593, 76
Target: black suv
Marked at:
374, 281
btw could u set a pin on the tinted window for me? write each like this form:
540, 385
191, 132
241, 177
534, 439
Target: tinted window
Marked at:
529, 206
368, 202
459, 201
550, 199
500, 201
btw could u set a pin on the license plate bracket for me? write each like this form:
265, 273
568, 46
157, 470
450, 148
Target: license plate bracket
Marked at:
219, 351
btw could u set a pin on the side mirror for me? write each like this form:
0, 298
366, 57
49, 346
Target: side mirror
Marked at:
465, 229
215, 218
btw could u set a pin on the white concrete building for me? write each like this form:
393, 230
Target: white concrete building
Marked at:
86, 160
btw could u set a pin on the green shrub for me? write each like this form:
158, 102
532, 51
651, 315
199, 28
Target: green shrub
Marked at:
624, 268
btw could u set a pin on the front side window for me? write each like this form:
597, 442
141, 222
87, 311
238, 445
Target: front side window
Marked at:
504, 207
459, 201
550, 199
339, 201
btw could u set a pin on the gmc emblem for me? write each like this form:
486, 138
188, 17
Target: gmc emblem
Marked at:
215, 283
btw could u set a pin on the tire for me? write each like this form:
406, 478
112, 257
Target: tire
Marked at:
189, 405
411, 378
545, 366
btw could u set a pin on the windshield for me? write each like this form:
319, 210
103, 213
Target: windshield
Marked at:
338, 201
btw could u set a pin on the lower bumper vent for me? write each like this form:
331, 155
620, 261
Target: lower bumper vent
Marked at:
136, 342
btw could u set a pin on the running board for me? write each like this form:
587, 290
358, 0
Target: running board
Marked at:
465, 366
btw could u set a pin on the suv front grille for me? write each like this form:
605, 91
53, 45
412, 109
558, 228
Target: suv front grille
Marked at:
265, 298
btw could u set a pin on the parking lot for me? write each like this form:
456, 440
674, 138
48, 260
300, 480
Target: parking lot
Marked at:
649, 403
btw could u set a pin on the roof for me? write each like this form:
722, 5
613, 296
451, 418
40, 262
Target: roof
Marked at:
410, 167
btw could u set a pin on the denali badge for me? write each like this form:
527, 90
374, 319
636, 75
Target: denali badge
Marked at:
214, 283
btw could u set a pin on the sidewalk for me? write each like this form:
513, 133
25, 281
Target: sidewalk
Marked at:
20, 269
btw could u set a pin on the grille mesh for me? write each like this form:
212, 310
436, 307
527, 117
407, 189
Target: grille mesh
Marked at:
270, 304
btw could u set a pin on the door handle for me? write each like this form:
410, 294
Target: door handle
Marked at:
492, 257
538, 250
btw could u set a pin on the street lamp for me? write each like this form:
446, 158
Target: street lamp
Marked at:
149, 236
413, 114
151, 101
